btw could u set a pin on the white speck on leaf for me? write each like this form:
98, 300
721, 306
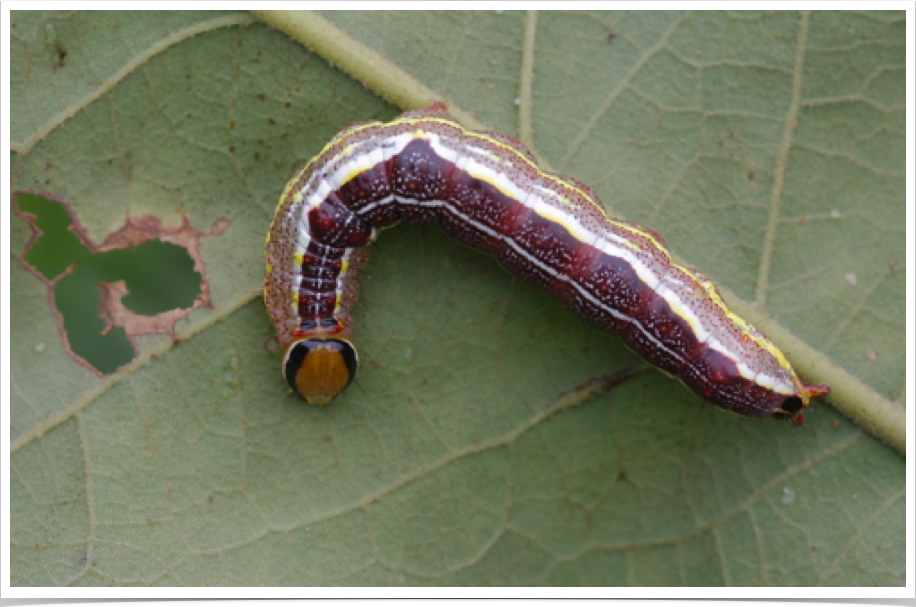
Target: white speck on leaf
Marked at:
788, 496
851, 279
40, 346
835, 213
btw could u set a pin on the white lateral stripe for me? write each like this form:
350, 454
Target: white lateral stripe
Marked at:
361, 162
338, 291
443, 151
403, 200
296, 287
642, 271
774, 384
678, 307
376, 156
315, 200
498, 179
377, 203
303, 240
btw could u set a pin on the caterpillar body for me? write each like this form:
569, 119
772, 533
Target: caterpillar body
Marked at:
487, 191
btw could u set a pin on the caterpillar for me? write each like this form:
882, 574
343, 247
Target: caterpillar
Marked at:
487, 191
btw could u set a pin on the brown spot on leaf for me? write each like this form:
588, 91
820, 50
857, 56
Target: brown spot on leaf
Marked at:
272, 345
219, 226
115, 314
136, 231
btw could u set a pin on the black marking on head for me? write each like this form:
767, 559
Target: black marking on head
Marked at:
351, 358
294, 359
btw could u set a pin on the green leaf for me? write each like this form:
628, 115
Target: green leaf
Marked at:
768, 149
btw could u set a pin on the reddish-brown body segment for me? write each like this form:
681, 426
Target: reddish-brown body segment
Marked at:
487, 192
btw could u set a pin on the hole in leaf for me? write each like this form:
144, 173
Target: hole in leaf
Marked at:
141, 280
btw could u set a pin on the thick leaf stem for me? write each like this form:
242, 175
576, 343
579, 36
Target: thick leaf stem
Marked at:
525, 101
376, 72
850, 396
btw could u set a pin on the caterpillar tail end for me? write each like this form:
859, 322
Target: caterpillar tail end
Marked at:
792, 408
816, 390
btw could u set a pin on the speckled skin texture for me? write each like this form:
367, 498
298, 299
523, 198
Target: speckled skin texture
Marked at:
487, 192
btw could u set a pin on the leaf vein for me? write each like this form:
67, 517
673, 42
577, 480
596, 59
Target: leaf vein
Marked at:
782, 160
110, 82
621, 86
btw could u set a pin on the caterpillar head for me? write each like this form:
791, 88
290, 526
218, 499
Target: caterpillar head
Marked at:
792, 407
317, 369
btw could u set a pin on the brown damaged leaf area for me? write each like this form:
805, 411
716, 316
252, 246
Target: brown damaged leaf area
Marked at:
136, 231
115, 314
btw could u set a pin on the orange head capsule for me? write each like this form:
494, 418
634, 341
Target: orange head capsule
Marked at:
319, 369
